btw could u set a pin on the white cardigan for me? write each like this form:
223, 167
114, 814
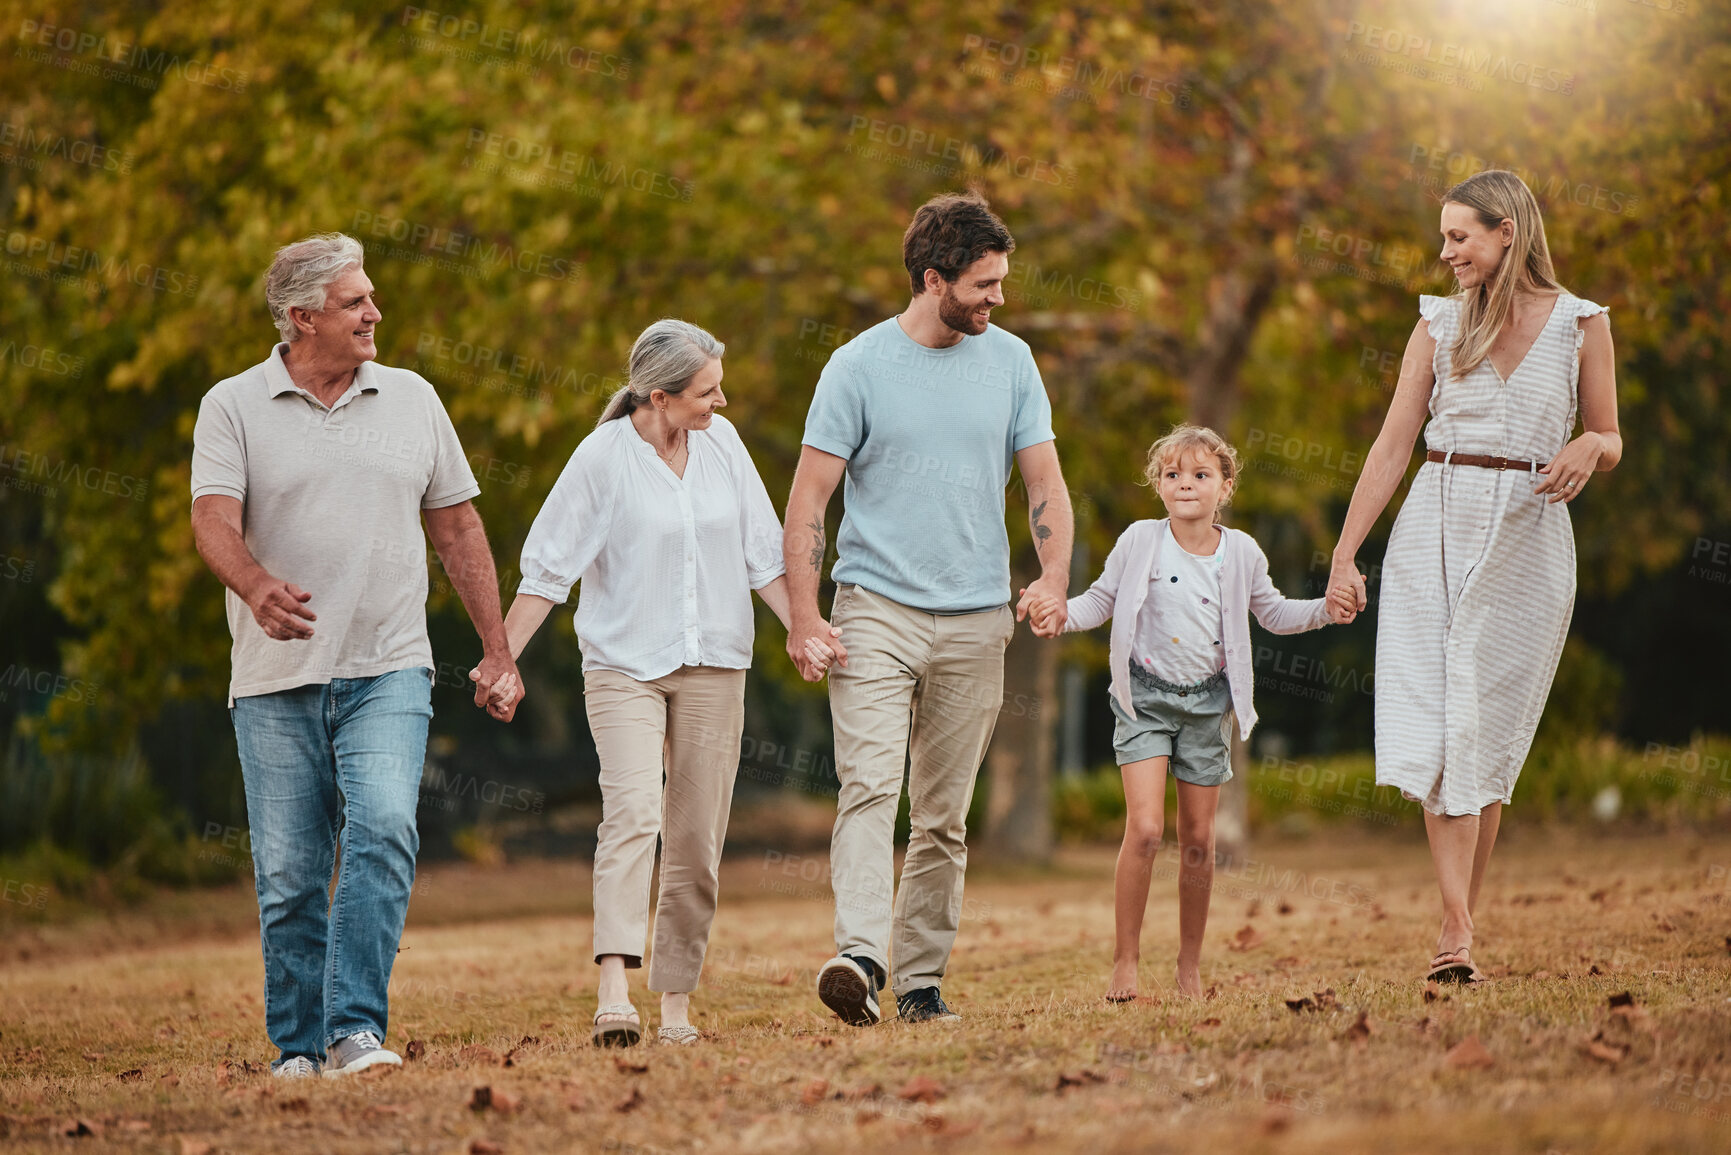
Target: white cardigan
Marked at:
1245, 589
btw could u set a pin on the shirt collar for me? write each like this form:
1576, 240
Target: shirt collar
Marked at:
277, 377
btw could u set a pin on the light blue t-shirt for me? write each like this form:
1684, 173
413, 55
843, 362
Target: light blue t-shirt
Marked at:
930, 436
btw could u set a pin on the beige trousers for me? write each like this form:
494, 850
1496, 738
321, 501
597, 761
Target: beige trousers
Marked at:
685, 725
922, 691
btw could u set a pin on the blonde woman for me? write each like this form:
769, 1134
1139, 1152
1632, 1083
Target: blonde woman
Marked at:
661, 514
1478, 583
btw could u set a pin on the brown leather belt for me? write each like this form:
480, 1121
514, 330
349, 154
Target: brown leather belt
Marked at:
1481, 459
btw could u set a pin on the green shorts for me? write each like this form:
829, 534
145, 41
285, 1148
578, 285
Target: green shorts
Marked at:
1189, 725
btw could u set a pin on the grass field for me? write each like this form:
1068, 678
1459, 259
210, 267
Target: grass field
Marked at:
143, 1028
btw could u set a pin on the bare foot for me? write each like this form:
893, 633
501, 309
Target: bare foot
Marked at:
1122, 987
1455, 937
1190, 980
675, 1010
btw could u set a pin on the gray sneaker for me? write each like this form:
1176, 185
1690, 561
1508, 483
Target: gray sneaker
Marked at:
299, 1067
357, 1053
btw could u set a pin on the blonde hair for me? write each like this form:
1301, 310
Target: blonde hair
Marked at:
1180, 442
1497, 195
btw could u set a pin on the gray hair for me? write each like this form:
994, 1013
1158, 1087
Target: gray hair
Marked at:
666, 356
303, 271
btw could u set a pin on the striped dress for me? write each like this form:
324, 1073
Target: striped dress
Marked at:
1479, 580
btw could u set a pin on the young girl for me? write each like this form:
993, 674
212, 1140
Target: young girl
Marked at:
1180, 591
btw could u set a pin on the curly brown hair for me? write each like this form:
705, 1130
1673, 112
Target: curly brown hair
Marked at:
949, 233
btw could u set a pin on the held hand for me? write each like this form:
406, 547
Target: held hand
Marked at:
280, 609
822, 634
1049, 622
498, 686
817, 656
1569, 470
1345, 592
1041, 611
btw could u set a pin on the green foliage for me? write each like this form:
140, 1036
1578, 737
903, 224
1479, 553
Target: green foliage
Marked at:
529, 208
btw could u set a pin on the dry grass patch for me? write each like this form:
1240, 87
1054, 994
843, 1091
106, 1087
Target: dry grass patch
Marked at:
1607, 1026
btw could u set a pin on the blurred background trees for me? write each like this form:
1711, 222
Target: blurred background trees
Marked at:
1224, 213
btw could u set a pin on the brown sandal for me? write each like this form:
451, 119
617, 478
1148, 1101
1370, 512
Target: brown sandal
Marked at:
1452, 966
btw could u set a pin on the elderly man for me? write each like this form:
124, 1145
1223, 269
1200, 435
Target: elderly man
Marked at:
925, 414
310, 474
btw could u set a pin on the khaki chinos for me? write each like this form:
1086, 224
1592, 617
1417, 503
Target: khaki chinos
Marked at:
923, 691
689, 723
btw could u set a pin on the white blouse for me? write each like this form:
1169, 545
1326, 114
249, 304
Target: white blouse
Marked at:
667, 563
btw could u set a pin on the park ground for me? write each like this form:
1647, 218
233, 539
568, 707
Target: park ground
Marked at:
1605, 1024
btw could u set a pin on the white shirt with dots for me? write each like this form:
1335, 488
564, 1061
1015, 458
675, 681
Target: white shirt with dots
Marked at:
1179, 629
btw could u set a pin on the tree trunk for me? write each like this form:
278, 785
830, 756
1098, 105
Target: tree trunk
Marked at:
1018, 766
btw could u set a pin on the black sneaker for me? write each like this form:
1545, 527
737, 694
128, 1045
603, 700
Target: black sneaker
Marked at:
850, 990
925, 1005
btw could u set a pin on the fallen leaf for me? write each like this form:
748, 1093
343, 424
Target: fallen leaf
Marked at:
825, 1040
1594, 970
630, 1066
485, 1147
1247, 937
920, 1089
415, 1051
1208, 1024
864, 1091
1359, 1033
478, 1055
297, 1104
630, 1102
1080, 1078
1277, 1118
1287, 962
1625, 999
1325, 1000
1303, 1003
1468, 1054
131, 1076
1433, 992
81, 1129
485, 1098
1284, 907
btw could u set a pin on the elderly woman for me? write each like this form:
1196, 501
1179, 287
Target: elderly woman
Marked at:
662, 515
1478, 583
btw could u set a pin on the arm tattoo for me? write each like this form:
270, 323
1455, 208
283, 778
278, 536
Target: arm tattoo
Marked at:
816, 528
1041, 532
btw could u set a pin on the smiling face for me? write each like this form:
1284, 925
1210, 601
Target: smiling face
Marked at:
966, 306
1473, 251
342, 331
694, 406
1192, 486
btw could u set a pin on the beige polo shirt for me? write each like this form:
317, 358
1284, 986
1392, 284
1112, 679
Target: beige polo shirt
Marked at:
332, 501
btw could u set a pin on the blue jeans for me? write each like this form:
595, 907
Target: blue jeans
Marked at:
322, 762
